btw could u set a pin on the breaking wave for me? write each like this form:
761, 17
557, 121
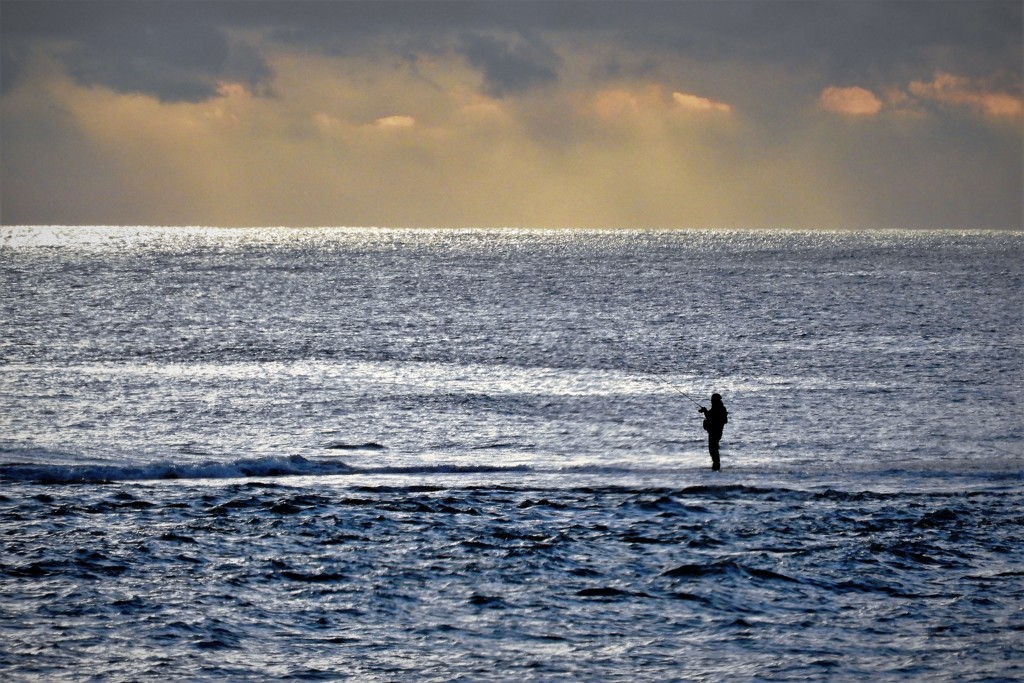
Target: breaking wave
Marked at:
282, 466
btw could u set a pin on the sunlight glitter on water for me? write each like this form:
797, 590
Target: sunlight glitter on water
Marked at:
417, 455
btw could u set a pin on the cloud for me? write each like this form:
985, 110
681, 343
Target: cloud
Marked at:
697, 103
634, 104
316, 155
615, 104
959, 91
167, 50
946, 90
508, 113
512, 64
393, 122
13, 59
851, 101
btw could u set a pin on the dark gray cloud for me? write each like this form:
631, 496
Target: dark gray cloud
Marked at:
884, 39
511, 65
172, 51
171, 61
178, 50
12, 64
842, 37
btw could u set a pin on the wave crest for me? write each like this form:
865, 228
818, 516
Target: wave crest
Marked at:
281, 466
97, 474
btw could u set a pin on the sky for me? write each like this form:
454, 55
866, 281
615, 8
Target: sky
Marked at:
631, 113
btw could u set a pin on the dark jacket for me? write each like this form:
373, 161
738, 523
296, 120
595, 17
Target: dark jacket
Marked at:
715, 419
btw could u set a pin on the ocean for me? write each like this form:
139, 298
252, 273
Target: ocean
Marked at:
440, 455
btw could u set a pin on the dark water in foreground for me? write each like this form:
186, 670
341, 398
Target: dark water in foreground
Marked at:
441, 581
463, 455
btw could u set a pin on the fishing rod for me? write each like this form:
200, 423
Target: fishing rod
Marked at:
677, 390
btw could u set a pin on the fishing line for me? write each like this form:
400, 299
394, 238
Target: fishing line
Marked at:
677, 390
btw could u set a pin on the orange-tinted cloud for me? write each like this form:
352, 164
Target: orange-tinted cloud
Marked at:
361, 139
395, 122
615, 103
944, 89
853, 101
697, 103
620, 103
960, 91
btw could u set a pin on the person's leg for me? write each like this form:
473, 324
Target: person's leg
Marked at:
713, 449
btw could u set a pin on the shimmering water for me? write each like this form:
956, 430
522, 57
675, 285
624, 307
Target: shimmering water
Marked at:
440, 455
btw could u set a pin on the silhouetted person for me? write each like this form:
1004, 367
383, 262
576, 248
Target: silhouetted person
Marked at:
714, 421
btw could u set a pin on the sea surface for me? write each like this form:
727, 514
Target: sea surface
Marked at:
440, 455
